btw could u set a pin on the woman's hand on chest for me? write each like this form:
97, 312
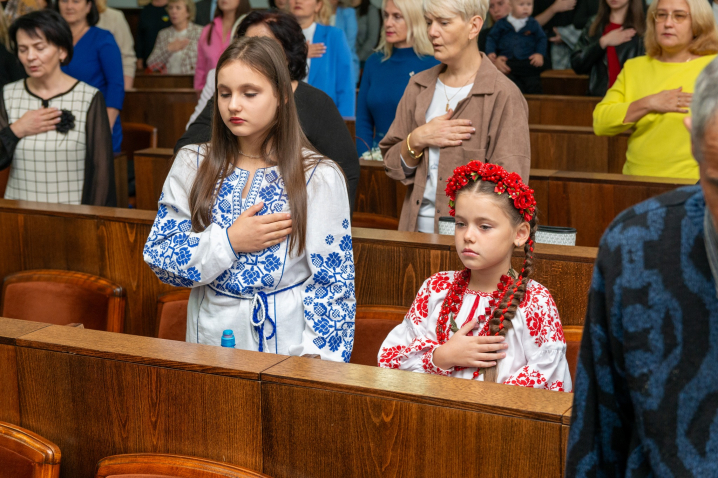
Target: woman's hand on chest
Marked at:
442, 132
252, 233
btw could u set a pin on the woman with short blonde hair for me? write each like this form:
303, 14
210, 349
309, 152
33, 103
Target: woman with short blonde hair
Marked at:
403, 51
652, 93
175, 50
461, 110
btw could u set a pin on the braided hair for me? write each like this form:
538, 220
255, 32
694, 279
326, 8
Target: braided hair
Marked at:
505, 311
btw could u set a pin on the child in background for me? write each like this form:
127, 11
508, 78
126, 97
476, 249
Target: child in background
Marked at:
521, 40
486, 322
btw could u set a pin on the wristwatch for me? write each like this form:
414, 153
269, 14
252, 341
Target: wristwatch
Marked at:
412, 153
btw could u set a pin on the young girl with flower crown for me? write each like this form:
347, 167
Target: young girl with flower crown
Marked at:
487, 322
283, 284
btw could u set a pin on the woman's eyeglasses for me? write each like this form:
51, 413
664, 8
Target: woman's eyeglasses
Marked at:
678, 16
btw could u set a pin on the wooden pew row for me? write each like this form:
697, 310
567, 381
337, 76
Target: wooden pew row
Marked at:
97, 394
564, 82
585, 201
108, 242
561, 110
144, 81
166, 109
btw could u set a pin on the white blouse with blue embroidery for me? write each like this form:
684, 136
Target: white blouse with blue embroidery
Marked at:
273, 301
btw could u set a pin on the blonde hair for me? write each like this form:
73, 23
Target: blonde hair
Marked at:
703, 24
191, 9
325, 14
416, 33
466, 9
101, 5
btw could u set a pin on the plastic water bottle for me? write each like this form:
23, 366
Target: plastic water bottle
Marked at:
228, 339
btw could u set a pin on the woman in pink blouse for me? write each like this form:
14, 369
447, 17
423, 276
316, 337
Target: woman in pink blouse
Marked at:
216, 37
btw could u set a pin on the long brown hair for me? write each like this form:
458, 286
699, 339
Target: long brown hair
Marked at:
521, 283
285, 137
242, 8
635, 17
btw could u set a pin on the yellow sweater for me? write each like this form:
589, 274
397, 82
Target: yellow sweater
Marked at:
660, 144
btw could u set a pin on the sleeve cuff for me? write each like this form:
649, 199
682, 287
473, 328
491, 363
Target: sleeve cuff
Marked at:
229, 243
408, 170
428, 362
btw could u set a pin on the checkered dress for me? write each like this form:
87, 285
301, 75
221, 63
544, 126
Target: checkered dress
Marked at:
49, 167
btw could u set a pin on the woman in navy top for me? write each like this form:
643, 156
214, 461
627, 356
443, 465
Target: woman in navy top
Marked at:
96, 59
331, 71
404, 50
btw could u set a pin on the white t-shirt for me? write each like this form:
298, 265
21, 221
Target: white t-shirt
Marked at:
174, 65
437, 108
309, 36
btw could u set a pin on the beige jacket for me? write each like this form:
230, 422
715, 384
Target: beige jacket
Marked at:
114, 22
497, 110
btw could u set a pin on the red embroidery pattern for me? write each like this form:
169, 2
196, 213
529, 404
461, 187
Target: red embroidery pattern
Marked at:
429, 367
393, 356
420, 308
542, 318
527, 378
441, 281
557, 386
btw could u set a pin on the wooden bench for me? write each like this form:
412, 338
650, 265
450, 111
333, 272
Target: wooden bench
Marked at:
585, 201
561, 110
97, 394
144, 81
564, 82
108, 242
166, 109
576, 148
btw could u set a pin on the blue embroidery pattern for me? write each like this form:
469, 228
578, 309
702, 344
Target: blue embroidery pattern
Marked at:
329, 293
325, 305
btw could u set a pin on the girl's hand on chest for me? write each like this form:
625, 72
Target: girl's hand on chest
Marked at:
252, 233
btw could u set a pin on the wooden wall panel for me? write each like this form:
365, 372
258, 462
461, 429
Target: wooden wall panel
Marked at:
402, 424
561, 110
166, 109
92, 408
564, 82
151, 169
145, 81
571, 198
9, 393
392, 438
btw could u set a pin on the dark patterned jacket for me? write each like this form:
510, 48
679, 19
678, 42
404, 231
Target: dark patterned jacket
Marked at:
646, 391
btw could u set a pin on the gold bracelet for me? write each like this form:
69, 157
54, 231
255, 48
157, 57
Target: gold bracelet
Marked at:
412, 153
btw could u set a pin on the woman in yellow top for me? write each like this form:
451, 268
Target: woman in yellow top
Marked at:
653, 92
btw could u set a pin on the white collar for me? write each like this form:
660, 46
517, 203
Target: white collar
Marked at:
517, 23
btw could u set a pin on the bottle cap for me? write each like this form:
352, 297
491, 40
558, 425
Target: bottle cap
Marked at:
228, 339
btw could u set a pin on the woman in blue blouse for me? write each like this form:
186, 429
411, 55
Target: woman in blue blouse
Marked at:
96, 59
331, 69
404, 50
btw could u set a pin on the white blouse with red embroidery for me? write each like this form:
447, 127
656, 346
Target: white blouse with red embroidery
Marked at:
536, 356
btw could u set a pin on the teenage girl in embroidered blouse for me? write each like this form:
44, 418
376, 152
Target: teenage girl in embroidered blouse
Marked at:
282, 285
480, 323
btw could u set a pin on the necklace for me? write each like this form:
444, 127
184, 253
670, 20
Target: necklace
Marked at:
454, 299
448, 100
250, 156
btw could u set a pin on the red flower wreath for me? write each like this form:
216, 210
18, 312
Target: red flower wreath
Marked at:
509, 183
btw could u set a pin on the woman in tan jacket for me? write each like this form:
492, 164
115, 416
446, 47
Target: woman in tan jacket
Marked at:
458, 111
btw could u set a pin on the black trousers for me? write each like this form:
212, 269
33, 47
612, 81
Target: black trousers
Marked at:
526, 76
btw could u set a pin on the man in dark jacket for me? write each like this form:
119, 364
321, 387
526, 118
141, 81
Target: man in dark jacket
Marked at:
646, 394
